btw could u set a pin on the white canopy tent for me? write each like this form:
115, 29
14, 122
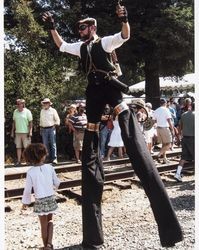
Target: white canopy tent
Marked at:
166, 83
128, 98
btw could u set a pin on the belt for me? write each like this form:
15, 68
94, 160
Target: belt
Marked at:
162, 127
48, 127
79, 129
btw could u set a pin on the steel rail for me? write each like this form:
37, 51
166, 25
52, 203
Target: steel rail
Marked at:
127, 174
72, 167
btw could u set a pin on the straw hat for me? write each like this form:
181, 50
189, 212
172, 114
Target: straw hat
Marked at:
46, 100
20, 101
140, 103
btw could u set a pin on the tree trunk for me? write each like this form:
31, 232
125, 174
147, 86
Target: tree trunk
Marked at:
152, 85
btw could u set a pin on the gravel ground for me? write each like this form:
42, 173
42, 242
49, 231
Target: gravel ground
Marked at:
127, 220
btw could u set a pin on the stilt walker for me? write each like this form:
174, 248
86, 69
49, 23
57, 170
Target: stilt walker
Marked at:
104, 88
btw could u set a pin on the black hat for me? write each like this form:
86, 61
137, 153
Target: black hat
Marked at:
163, 101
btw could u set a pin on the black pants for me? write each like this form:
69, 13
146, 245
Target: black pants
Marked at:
100, 92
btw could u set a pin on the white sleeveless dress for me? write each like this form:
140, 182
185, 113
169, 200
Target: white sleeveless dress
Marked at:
116, 138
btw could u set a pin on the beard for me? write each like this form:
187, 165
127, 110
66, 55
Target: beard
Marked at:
85, 37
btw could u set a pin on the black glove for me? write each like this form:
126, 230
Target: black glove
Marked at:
122, 13
124, 18
48, 21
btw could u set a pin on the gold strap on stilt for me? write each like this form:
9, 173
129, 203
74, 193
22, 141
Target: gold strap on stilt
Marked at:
93, 127
120, 108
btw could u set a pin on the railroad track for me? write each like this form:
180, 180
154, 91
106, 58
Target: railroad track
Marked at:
64, 167
109, 178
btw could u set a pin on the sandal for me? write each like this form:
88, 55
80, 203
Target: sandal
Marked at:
49, 247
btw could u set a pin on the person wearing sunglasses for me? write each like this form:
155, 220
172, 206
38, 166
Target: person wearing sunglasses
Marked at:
105, 88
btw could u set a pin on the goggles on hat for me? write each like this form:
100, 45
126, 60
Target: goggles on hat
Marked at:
83, 27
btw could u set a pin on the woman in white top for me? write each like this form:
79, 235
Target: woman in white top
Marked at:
43, 179
115, 140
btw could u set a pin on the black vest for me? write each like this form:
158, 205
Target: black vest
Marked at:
100, 58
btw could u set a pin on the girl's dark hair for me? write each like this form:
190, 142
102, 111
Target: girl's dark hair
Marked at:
34, 152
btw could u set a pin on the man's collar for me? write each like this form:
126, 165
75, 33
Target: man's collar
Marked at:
95, 37
92, 39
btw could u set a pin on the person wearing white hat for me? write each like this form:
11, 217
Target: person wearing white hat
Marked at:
46, 101
49, 119
105, 88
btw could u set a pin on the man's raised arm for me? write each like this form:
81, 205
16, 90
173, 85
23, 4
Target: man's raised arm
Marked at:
122, 14
50, 24
125, 30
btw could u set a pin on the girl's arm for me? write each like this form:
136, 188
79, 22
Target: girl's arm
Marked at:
26, 198
56, 181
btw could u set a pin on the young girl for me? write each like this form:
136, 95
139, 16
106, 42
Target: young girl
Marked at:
42, 178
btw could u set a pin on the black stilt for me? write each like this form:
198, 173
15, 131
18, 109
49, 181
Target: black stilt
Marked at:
169, 228
92, 189
93, 180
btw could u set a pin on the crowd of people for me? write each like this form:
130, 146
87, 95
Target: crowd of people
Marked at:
170, 124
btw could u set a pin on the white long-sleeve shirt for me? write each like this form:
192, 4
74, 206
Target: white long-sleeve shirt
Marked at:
43, 180
109, 43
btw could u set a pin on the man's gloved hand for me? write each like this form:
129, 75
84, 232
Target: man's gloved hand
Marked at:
122, 13
49, 22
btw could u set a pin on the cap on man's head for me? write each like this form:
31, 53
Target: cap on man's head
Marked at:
188, 100
46, 100
20, 101
88, 20
163, 101
148, 105
81, 104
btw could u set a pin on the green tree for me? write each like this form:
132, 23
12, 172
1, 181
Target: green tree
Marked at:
34, 68
162, 42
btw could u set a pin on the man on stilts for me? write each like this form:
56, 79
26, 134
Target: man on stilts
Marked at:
104, 88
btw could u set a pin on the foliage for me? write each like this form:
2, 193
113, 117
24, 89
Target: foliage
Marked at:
162, 41
34, 68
